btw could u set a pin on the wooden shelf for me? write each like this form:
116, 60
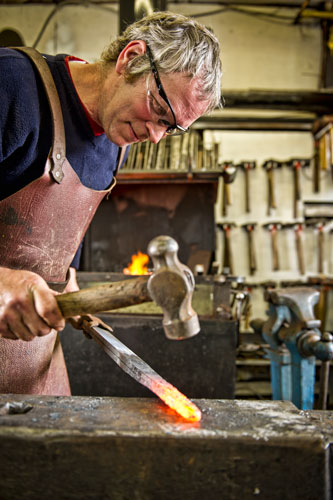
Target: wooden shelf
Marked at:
151, 176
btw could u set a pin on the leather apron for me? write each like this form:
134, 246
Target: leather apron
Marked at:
41, 227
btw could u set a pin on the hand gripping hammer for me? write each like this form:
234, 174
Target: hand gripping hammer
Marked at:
171, 286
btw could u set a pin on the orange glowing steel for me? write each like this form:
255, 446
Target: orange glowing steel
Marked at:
145, 375
176, 400
138, 265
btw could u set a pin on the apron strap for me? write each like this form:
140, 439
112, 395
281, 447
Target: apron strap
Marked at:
57, 153
121, 155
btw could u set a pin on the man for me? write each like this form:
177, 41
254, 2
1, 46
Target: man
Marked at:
53, 178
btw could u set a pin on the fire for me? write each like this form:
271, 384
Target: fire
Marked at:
176, 400
138, 265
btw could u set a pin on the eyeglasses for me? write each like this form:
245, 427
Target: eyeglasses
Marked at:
174, 129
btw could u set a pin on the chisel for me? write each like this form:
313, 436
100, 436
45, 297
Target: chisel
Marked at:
138, 369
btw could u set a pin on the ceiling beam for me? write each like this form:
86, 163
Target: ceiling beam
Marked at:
280, 3
318, 102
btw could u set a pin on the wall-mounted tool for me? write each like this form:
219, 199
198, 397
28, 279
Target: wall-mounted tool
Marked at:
317, 214
323, 141
295, 342
273, 228
227, 260
296, 164
249, 228
171, 286
270, 166
229, 172
316, 168
325, 159
210, 151
320, 236
298, 230
318, 226
247, 166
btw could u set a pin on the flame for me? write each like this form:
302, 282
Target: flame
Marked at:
176, 400
138, 265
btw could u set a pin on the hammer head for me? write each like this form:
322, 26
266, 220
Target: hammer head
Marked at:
171, 286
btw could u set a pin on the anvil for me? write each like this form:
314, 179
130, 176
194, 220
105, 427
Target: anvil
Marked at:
133, 448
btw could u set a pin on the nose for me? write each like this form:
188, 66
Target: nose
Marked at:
156, 132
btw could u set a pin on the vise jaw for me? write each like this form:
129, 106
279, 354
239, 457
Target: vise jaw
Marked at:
295, 341
292, 320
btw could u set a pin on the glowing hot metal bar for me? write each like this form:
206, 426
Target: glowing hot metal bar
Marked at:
144, 374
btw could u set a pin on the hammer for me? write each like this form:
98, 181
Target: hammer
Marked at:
273, 228
227, 265
229, 172
270, 166
296, 164
171, 286
247, 166
298, 230
249, 228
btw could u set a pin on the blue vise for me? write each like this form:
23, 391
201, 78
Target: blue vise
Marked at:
295, 342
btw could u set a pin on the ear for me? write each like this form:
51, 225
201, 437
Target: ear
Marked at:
132, 49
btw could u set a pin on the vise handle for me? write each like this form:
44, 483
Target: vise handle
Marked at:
310, 343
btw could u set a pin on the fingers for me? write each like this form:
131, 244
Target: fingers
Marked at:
47, 308
28, 307
12, 326
19, 319
75, 321
7, 333
16, 330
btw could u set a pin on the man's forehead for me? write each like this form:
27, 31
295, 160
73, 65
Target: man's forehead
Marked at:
184, 95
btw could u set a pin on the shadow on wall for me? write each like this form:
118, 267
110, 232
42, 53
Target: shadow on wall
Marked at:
11, 38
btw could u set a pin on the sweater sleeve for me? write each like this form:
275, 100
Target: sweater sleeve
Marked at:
25, 140
18, 114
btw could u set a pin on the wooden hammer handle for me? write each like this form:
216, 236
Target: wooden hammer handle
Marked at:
105, 297
227, 260
320, 250
252, 255
300, 253
247, 190
275, 252
297, 190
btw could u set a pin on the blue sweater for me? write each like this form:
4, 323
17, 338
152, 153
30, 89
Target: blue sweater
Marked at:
26, 128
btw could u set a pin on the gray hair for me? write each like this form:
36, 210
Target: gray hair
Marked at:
178, 44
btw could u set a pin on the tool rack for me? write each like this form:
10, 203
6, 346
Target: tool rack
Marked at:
294, 246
